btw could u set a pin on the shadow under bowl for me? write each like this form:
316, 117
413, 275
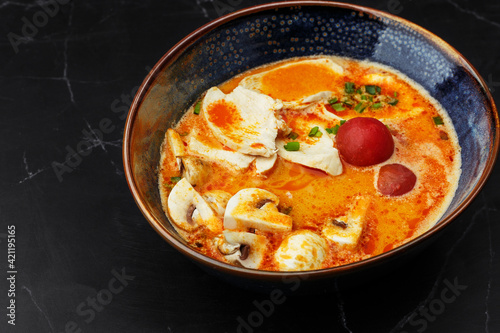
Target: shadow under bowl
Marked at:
272, 32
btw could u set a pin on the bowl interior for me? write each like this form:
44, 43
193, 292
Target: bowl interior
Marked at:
264, 34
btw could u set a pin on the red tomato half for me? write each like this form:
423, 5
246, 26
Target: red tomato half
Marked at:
395, 180
364, 141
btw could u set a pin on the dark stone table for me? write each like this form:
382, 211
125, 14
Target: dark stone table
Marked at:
86, 259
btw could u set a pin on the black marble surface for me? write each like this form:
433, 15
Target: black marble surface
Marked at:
87, 260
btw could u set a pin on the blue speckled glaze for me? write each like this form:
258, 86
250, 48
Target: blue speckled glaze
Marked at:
273, 35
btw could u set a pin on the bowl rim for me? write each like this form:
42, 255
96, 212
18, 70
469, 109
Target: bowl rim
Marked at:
190, 39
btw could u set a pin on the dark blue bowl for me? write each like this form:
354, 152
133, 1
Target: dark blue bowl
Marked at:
267, 33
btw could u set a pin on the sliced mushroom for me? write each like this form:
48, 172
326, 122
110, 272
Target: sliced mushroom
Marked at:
188, 210
176, 146
217, 199
255, 208
195, 170
300, 251
224, 247
346, 231
250, 248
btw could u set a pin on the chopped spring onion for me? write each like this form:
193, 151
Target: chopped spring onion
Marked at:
197, 108
175, 179
438, 120
376, 105
313, 131
393, 101
329, 130
338, 107
395, 94
372, 90
293, 135
342, 122
333, 100
349, 88
347, 101
360, 107
335, 129
292, 146
318, 134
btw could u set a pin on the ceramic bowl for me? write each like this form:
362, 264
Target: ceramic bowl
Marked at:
266, 33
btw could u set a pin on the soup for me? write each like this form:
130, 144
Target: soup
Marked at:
307, 164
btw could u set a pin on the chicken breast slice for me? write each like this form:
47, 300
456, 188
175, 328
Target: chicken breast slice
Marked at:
315, 152
234, 159
346, 231
243, 120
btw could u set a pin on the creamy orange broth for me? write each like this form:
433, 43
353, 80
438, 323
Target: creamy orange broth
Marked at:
313, 198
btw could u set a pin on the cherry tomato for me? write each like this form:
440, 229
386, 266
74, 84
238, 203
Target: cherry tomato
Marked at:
364, 141
395, 179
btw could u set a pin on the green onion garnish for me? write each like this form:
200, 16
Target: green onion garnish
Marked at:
313, 131
292, 146
360, 107
376, 106
372, 90
338, 107
348, 102
335, 129
359, 91
395, 94
392, 101
363, 97
342, 122
175, 179
293, 135
349, 87
438, 120
197, 108
333, 100
318, 134
329, 130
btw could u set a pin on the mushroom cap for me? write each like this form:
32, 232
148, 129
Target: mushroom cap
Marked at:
257, 245
188, 210
255, 208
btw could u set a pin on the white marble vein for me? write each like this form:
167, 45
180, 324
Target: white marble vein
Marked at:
65, 54
38, 307
473, 13
203, 9
30, 174
19, 4
340, 305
